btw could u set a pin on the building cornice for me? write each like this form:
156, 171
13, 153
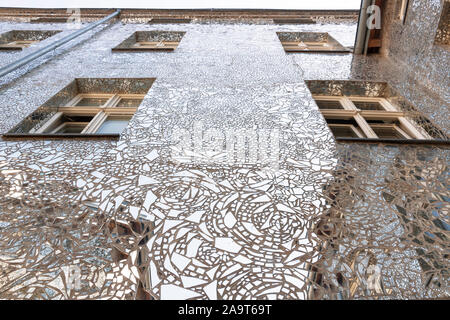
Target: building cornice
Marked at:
28, 14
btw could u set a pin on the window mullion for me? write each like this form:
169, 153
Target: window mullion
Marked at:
58, 128
347, 104
114, 100
365, 127
75, 100
49, 123
387, 105
402, 132
95, 123
358, 132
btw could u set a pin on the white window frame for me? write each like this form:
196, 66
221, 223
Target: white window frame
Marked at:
100, 113
406, 127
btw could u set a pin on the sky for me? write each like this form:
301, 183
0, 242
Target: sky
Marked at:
186, 4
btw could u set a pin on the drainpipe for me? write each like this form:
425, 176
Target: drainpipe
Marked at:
24, 60
362, 35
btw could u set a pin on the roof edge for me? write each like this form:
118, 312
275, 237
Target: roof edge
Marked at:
127, 13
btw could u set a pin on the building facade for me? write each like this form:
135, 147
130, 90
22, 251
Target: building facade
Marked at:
225, 155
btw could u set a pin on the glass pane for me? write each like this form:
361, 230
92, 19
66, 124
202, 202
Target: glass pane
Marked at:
113, 125
325, 104
127, 103
92, 102
69, 124
72, 128
364, 105
343, 132
388, 133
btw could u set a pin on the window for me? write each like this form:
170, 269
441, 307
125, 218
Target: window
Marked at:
94, 108
92, 114
20, 39
151, 41
309, 42
367, 117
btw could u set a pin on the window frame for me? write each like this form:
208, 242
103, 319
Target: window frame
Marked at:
100, 113
361, 117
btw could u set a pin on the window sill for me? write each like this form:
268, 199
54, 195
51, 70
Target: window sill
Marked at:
11, 48
395, 141
62, 136
318, 51
168, 20
164, 49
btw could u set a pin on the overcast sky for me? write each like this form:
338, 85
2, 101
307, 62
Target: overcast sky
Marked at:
186, 4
